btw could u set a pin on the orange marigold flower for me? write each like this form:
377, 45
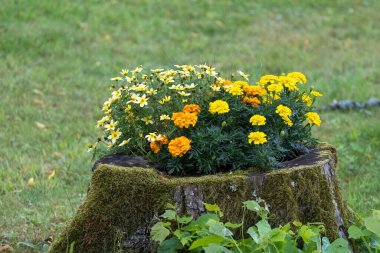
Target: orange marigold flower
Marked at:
192, 108
253, 101
184, 119
179, 146
254, 90
155, 146
164, 140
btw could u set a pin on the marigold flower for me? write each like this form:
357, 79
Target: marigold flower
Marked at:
179, 146
288, 82
235, 90
240, 84
313, 118
275, 88
254, 90
307, 100
253, 101
155, 146
268, 79
184, 119
192, 108
283, 111
301, 78
219, 107
257, 138
257, 120
316, 93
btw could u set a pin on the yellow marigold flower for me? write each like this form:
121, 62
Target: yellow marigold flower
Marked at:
275, 88
316, 93
257, 138
301, 78
235, 90
219, 107
155, 146
240, 84
257, 120
287, 121
283, 111
179, 146
184, 119
110, 126
124, 72
254, 90
288, 82
253, 101
163, 139
268, 79
307, 100
192, 108
313, 118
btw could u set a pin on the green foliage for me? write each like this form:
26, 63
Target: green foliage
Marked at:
367, 235
210, 235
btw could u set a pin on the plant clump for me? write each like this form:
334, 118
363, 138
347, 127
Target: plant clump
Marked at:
190, 120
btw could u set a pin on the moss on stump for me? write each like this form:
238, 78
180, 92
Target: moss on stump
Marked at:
122, 202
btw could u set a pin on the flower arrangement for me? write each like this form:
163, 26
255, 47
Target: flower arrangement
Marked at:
190, 120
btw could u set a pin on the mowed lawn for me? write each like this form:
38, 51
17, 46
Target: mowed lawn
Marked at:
57, 58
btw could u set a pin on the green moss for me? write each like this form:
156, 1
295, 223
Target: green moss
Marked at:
120, 200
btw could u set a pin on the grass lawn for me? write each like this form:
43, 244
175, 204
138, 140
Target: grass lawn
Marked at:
57, 58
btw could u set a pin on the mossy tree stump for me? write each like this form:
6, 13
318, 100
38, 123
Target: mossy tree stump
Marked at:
122, 202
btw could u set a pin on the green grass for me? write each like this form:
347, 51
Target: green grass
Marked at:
57, 58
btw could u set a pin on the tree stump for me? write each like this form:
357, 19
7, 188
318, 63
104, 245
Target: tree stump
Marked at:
122, 202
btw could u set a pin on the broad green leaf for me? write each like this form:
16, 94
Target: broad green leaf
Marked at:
373, 225
218, 228
183, 236
263, 227
169, 214
376, 214
325, 244
233, 225
184, 219
306, 233
214, 248
252, 231
202, 221
297, 223
355, 232
159, 232
171, 245
338, 246
252, 205
277, 235
211, 207
205, 241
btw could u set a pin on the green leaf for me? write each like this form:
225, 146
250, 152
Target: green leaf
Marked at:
184, 219
306, 233
183, 236
169, 214
263, 227
171, 206
211, 208
205, 241
338, 246
355, 232
277, 235
297, 223
252, 231
214, 248
218, 228
171, 245
159, 232
233, 225
252, 205
373, 225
